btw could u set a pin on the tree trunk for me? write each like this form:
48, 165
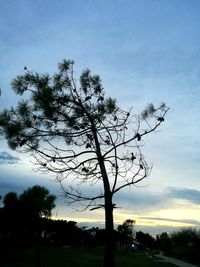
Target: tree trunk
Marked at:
109, 259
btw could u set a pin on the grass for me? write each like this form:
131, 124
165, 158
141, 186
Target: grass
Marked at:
78, 257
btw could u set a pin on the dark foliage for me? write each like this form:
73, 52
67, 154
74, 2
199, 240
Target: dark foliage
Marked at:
183, 244
125, 232
145, 240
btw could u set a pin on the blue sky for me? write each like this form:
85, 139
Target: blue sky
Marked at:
145, 51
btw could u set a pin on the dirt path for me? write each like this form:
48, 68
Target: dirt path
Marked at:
175, 261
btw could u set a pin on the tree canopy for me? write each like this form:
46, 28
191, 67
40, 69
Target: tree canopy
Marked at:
38, 201
33, 203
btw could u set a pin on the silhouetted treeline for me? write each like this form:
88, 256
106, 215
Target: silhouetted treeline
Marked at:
183, 244
25, 221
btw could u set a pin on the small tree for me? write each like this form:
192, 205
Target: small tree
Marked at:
145, 239
34, 203
37, 202
165, 243
85, 139
24, 214
126, 231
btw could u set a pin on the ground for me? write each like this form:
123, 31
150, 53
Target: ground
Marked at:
78, 257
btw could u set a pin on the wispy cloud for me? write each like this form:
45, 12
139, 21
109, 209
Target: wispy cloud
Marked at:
146, 200
191, 195
181, 221
6, 158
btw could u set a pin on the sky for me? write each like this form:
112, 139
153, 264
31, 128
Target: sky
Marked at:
145, 51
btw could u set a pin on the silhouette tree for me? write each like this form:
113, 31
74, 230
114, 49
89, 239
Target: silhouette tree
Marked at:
165, 243
33, 204
145, 239
126, 231
85, 139
25, 213
36, 202
10, 200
